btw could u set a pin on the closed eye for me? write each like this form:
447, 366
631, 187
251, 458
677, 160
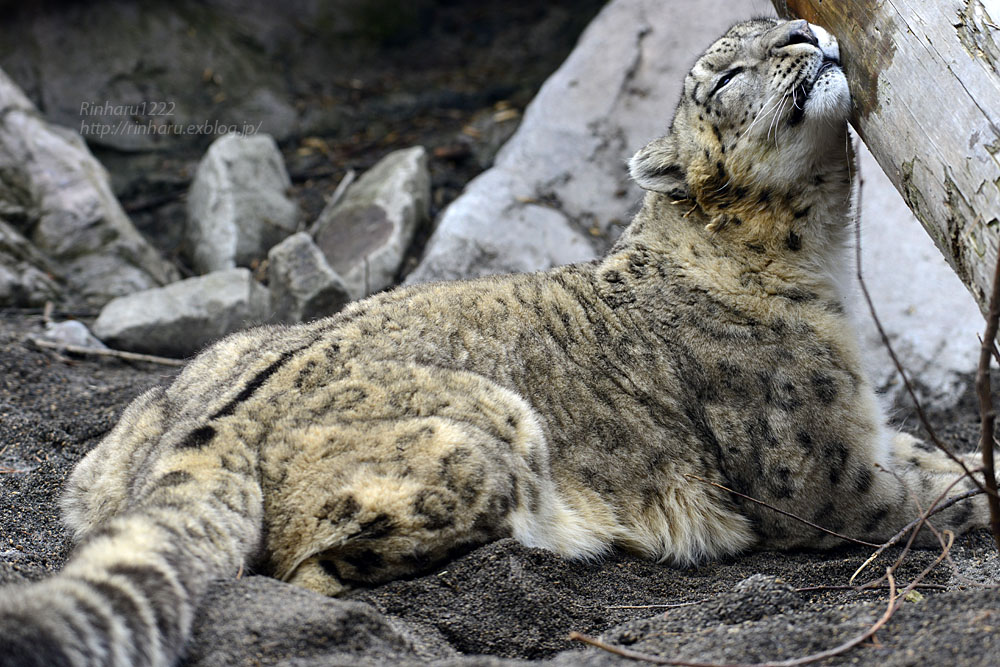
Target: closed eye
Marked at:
726, 78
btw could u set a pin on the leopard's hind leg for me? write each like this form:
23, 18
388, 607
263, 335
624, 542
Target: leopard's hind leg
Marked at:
404, 467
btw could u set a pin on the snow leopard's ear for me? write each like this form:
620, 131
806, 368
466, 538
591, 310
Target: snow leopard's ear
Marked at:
656, 167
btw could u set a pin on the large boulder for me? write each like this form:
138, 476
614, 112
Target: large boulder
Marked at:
364, 236
237, 205
57, 194
303, 286
180, 319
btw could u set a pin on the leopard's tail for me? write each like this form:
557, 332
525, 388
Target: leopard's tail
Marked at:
159, 514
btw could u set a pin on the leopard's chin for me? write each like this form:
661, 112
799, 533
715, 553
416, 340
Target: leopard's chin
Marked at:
824, 95
829, 99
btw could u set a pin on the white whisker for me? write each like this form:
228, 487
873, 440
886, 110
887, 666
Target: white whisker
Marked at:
775, 118
759, 115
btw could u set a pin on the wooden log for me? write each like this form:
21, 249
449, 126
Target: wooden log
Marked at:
924, 79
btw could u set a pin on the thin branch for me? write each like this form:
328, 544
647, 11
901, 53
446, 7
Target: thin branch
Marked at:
950, 536
638, 655
939, 505
955, 573
788, 514
672, 605
872, 587
103, 352
987, 414
341, 188
888, 346
336, 197
995, 351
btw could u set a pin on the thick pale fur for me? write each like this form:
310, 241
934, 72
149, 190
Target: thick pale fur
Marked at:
576, 410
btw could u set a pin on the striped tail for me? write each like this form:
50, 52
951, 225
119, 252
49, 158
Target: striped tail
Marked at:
149, 547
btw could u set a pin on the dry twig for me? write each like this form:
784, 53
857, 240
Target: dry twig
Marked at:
995, 351
987, 414
102, 352
871, 587
672, 605
341, 189
941, 539
915, 525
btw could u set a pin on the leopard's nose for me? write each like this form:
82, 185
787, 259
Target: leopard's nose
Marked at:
795, 32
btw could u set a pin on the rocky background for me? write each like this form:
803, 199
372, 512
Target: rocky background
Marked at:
173, 172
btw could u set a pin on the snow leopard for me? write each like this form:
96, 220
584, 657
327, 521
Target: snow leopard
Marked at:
587, 408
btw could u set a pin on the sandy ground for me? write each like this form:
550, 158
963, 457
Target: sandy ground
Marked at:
503, 602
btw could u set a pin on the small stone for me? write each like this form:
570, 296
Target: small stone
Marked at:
72, 332
303, 286
180, 319
365, 235
237, 204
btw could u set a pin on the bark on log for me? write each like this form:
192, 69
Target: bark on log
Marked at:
924, 79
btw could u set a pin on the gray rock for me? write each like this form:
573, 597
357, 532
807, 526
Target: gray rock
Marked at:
26, 277
237, 206
24, 285
487, 231
180, 319
12, 97
303, 286
365, 235
55, 192
754, 598
275, 615
73, 333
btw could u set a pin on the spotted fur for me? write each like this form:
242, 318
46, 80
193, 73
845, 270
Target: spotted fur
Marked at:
577, 410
